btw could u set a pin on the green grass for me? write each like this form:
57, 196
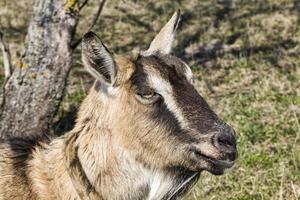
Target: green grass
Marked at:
245, 57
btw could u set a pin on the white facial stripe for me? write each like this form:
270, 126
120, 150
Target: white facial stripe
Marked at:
164, 88
188, 73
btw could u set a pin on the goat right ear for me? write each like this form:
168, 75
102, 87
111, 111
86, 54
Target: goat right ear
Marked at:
97, 59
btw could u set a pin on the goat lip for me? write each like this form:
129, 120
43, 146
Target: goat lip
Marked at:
225, 164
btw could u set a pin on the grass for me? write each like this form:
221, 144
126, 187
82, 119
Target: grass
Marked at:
245, 57
264, 109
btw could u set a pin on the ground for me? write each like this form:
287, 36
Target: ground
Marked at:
245, 56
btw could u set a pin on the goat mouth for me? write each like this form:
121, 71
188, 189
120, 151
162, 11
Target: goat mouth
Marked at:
215, 166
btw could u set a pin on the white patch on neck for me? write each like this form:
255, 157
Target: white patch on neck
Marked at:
165, 89
162, 184
159, 184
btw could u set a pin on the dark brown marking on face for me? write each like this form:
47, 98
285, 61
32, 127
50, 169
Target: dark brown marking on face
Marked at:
195, 109
167, 65
175, 63
139, 80
159, 113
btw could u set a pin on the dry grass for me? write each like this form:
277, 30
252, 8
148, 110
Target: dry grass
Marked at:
245, 55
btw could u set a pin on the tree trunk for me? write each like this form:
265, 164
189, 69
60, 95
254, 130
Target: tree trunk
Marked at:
33, 92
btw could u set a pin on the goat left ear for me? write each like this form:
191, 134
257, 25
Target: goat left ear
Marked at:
97, 59
162, 42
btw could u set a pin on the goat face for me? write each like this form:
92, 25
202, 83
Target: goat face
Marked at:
154, 109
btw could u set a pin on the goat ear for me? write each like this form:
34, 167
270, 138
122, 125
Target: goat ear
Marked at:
162, 42
97, 59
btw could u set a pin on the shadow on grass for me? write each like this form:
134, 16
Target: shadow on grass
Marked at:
216, 51
219, 49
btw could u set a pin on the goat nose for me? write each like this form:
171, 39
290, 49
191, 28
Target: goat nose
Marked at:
226, 142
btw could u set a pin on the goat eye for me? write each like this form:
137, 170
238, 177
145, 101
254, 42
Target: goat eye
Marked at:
148, 98
147, 95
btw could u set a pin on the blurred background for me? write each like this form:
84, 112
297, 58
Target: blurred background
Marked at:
246, 60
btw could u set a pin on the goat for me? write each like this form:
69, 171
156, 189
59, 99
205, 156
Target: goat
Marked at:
142, 132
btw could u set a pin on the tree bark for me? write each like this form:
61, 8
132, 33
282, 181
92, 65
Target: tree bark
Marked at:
33, 92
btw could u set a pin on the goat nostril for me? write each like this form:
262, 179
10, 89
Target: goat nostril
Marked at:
226, 142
